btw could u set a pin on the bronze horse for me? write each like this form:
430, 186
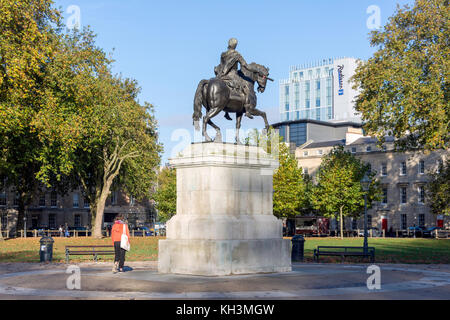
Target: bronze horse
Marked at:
216, 96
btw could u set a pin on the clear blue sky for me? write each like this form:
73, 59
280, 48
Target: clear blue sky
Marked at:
169, 46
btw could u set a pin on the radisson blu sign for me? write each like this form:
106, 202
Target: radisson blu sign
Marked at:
341, 80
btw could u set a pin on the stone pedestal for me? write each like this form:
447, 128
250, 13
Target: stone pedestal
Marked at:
224, 223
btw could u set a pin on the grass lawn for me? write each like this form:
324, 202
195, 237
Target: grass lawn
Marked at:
146, 249
27, 250
387, 250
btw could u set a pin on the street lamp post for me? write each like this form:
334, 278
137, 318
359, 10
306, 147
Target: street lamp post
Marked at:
365, 183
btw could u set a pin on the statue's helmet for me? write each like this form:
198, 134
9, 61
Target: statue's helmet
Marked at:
232, 43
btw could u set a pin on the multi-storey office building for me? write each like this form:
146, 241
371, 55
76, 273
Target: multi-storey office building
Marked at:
319, 91
403, 176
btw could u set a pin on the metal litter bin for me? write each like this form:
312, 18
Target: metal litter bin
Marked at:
46, 249
298, 245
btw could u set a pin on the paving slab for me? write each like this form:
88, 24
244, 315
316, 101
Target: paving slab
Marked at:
306, 281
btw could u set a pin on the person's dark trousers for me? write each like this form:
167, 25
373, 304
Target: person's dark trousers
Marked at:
119, 254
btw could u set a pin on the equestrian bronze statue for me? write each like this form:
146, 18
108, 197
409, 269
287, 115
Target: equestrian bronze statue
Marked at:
231, 91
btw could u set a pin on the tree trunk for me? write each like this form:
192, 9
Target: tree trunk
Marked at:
100, 210
342, 224
1, 230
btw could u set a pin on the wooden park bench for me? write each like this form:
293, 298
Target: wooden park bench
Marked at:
343, 252
94, 251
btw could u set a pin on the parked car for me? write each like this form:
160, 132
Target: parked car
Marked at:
430, 232
77, 228
375, 232
147, 231
416, 231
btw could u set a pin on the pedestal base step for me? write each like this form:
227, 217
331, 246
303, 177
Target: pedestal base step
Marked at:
224, 257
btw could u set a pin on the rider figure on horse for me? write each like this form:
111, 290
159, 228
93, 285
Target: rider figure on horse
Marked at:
227, 71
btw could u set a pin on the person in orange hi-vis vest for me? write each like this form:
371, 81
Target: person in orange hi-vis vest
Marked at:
116, 236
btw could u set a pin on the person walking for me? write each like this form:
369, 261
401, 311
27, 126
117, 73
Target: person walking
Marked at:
119, 228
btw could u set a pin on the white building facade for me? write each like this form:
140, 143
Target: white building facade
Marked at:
320, 91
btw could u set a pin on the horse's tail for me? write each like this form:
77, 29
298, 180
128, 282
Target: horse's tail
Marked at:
198, 103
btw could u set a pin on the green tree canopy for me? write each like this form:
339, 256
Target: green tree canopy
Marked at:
338, 191
166, 194
438, 190
289, 186
404, 87
65, 116
29, 37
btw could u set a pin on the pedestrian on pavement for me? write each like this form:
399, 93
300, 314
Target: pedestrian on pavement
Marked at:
120, 236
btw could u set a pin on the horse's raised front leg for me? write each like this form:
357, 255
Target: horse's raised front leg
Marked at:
262, 114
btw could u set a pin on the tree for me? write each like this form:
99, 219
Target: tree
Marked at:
438, 190
289, 186
166, 194
66, 120
28, 43
404, 87
118, 145
338, 191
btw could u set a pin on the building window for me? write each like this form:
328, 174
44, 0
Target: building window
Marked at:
384, 148
422, 167
113, 197
353, 150
318, 93
77, 220
297, 97
86, 203
297, 133
369, 149
320, 152
305, 170
132, 201
404, 222
384, 169
421, 220
403, 168
385, 196
305, 154
52, 221
76, 199
16, 199
54, 199
329, 92
403, 195
3, 198
42, 200
421, 194
369, 221
307, 95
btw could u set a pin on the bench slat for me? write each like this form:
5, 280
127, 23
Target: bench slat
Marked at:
343, 251
102, 250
